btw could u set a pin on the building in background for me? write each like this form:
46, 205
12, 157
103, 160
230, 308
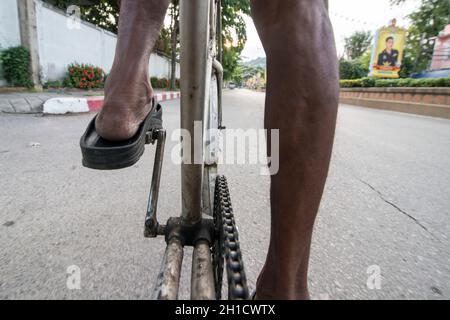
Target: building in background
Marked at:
440, 63
441, 55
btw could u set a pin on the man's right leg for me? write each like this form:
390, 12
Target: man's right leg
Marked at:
302, 100
128, 92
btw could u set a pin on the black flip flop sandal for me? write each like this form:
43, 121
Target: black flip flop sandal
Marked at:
102, 154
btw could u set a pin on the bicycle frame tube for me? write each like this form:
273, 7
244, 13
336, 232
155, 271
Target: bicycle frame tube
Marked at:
168, 281
202, 276
196, 66
197, 52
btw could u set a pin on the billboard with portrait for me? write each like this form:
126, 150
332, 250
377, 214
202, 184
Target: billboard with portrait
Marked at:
387, 53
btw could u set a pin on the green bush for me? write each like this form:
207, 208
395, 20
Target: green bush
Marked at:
159, 83
16, 66
84, 76
394, 83
67, 83
349, 70
154, 82
367, 82
351, 83
54, 85
162, 83
443, 82
418, 83
386, 83
404, 82
438, 82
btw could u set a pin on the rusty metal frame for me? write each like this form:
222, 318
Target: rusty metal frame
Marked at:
198, 50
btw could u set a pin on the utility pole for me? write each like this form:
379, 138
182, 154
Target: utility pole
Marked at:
175, 30
29, 37
219, 31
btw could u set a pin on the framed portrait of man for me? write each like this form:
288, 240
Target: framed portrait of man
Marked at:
387, 54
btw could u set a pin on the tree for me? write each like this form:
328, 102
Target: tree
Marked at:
407, 66
102, 13
234, 33
238, 75
174, 33
352, 69
365, 59
163, 44
426, 23
357, 44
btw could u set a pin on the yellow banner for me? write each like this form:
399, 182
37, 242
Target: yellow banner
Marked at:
388, 52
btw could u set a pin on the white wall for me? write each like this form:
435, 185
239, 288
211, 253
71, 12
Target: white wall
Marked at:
160, 67
60, 44
9, 27
9, 24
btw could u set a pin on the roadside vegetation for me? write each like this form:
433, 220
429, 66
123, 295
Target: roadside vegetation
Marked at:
16, 66
406, 82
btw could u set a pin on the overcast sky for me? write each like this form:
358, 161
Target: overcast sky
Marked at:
347, 17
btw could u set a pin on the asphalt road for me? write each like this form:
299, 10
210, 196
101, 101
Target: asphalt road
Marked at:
387, 204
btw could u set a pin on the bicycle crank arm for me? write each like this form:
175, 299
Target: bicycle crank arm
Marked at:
152, 227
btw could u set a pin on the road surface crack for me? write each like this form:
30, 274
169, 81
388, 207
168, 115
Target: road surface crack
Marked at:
382, 197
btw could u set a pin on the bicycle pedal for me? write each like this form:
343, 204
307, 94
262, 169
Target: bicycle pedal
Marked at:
149, 138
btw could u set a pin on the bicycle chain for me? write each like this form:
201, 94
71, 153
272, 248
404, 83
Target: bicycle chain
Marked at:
227, 245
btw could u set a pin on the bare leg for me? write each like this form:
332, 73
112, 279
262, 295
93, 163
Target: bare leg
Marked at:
128, 92
302, 100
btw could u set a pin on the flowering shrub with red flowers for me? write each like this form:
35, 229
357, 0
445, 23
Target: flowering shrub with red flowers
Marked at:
162, 83
84, 76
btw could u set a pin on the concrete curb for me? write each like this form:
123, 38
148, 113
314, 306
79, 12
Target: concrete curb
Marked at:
90, 104
422, 109
431, 102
